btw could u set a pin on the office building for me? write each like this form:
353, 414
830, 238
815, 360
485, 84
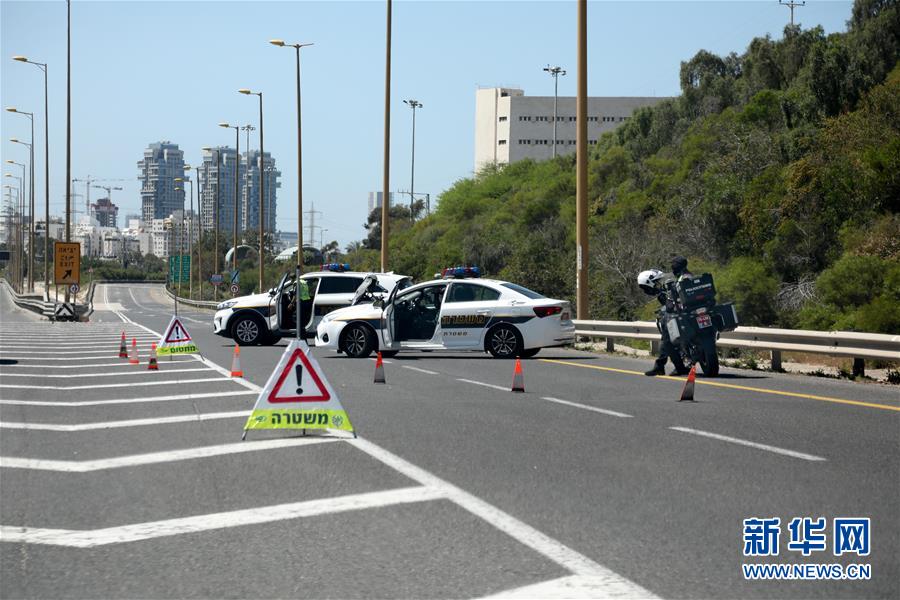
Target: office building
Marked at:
510, 126
162, 163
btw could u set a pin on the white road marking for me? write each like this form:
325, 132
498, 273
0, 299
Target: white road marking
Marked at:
128, 423
114, 385
604, 411
143, 371
128, 400
571, 587
67, 358
152, 458
193, 320
60, 350
490, 385
725, 438
426, 371
122, 363
384, 360
141, 306
64, 346
223, 520
613, 584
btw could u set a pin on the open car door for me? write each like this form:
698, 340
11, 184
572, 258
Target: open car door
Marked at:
388, 327
279, 300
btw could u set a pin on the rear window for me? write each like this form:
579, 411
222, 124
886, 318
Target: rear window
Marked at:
339, 285
523, 290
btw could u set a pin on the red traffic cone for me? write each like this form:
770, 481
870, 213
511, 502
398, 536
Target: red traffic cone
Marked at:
236, 370
379, 370
153, 366
123, 349
133, 358
518, 384
687, 393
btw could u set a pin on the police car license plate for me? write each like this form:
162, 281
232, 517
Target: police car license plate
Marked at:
704, 321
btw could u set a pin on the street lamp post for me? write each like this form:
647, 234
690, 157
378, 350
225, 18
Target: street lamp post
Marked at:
555, 72
20, 210
191, 238
31, 194
413, 104
181, 235
43, 67
262, 180
299, 158
237, 171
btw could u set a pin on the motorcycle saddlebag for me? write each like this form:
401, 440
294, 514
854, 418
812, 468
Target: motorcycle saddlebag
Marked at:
697, 291
674, 327
724, 317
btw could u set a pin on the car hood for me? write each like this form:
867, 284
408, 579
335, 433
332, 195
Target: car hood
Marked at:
352, 313
253, 300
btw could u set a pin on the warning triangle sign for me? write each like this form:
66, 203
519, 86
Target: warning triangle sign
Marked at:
298, 396
176, 340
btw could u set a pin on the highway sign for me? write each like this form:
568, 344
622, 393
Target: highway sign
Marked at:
67, 263
235, 276
64, 311
74, 288
235, 288
179, 268
216, 279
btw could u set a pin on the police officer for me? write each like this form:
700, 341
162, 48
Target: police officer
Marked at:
305, 305
652, 283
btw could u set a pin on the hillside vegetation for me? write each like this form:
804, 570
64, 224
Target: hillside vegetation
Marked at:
777, 170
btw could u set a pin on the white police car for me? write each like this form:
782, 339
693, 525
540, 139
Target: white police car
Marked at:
459, 312
265, 318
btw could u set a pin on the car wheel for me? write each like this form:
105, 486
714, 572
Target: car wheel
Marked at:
247, 330
389, 353
357, 341
503, 341
529, 353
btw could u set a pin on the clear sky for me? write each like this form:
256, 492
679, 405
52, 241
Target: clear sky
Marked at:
166, 70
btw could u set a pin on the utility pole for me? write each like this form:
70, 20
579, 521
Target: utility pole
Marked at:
792, 4
413, 104
312, 212
555, 72
581, 178
385, 199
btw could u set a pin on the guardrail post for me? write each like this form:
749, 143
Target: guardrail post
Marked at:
776, 361
610, 344
654, 347
859, 367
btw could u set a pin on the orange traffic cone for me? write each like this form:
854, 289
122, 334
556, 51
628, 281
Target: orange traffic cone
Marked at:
687, 393
518, 384
153, 366
236, 370
123, 349
133, 359
379, 370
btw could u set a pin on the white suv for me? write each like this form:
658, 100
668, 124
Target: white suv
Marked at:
266, 318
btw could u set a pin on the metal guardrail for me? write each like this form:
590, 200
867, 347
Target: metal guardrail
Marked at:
859, 346
194, 303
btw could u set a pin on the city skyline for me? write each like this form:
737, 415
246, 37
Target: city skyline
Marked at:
123, 97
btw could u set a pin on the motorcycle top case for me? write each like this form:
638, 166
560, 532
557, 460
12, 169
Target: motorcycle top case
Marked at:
724, 317
697, 291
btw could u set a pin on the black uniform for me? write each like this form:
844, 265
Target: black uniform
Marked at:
668, 350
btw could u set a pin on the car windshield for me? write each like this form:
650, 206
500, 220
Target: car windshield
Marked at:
523, 290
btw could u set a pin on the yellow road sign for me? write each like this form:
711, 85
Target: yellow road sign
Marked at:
67, 267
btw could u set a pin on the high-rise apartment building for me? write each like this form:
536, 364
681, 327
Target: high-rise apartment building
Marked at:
217, 170
251, 191
105, 212
162, 163
510, 126
375, 199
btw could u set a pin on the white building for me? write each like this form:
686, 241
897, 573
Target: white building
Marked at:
168, 237
511, 126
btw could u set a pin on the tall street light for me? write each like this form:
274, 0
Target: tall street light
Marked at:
581, 178
237, 171
216, 215
555, 72
43, 67
31, 194
413, 104
386, 174
190, 237
299, 158
20, 209
262, 185
181, 233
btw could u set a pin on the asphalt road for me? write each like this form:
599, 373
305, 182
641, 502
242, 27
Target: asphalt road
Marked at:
116, 481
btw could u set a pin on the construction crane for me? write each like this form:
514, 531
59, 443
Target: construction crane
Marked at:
87, 181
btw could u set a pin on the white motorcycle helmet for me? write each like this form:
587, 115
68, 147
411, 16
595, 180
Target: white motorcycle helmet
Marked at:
647, 281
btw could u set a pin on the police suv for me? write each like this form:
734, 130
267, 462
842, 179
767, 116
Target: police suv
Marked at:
266, 318
460, 311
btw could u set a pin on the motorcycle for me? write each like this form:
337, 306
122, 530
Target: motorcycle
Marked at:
697, 320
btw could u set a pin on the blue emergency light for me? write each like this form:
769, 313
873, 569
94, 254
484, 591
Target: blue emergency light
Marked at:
460, 272
336, 267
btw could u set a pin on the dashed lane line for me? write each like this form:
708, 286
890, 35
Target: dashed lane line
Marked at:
142, 400
193, 417
142, 372
488, 385
731, 386
114, 385
418, 370
604, 411
733, 440
223, 520
151, 458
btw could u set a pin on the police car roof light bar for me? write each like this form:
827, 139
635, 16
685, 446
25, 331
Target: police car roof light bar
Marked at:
336, 267
460, 272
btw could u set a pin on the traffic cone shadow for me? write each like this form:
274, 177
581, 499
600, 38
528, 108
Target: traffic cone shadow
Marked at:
687, 392
123, 348
518, 382
133, 359
152, 365
379, 370
236, 370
